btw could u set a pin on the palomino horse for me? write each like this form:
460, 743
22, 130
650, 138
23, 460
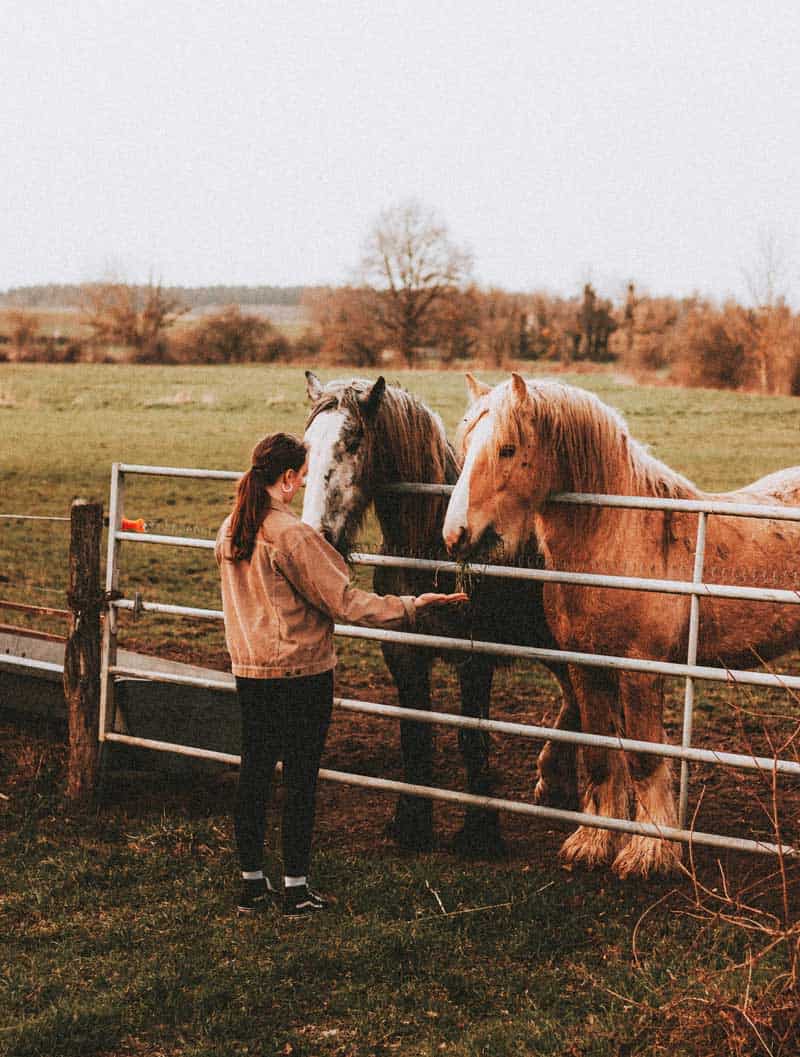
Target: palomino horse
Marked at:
362, 436
523, 442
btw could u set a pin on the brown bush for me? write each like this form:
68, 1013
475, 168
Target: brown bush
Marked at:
347, 320
737, 348
707, 347
21, 327
230, 336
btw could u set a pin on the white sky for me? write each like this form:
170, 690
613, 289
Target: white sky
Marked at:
255, 142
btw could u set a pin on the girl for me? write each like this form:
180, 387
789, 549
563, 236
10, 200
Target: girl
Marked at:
283, 587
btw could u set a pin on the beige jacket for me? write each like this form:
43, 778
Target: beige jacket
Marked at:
280, 606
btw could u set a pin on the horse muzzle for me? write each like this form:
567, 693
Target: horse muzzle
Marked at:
459, 542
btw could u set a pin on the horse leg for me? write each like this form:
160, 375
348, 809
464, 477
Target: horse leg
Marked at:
608, 792
642, 702
479, 836
412, 826
557, 785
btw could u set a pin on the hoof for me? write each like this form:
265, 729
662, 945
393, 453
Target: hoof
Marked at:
412, 825
588, 847
647, 857
547, 795
480, 837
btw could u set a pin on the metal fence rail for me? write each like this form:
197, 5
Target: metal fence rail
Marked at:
690, 671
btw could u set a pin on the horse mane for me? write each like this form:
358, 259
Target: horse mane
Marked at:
405, 442
588, 442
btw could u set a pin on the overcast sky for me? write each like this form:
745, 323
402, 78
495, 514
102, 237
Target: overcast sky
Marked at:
255, 142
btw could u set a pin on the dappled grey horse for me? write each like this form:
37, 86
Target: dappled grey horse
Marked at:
364, 435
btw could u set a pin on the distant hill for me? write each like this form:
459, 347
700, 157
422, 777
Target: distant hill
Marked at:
59, 295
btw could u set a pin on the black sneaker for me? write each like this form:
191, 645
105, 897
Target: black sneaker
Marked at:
300, 899
255, 897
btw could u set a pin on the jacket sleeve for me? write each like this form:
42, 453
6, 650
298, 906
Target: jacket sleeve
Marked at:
319, 573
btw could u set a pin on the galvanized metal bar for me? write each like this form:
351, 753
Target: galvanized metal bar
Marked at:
691, 660
170, 541
512, 572
622, 583
180, 471
31, 517
499, 649
489, 802
225, 685
109, 644
168, 610
526, 730
439, 642
11, 660
687, 506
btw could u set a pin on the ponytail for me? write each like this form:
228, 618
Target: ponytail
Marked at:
271, 457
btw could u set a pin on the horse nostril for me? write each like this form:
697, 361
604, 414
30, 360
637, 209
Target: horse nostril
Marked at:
457, 544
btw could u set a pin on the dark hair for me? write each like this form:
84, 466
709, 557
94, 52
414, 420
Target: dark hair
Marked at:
271, 457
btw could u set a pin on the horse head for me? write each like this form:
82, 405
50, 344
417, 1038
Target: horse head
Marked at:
497, 489
339, 485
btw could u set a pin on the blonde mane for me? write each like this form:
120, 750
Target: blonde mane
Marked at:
583, 445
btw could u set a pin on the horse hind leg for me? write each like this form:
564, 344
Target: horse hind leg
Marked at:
642, 702
557, 783
479, 836
608, 791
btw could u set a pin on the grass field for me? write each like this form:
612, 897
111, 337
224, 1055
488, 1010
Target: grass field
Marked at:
119, 936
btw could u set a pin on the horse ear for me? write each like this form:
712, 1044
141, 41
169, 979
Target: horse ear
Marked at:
519, 388
313, 386
371, 400
476, 389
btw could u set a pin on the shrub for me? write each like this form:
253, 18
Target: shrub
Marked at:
231, 336
708, 347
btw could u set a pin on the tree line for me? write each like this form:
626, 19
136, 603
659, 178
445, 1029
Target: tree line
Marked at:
412, 300
71, 295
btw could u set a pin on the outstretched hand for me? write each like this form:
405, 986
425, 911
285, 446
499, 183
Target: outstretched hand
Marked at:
432, 599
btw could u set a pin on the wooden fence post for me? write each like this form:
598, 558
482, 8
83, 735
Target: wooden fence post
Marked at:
82, 654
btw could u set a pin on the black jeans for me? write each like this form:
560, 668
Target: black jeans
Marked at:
282, 719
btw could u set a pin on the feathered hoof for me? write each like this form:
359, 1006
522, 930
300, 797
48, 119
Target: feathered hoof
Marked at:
480, 837
647, 857
412, 825
588, 847
550, 795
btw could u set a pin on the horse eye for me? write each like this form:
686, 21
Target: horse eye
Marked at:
507, 451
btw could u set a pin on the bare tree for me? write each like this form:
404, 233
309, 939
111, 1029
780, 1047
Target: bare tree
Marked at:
411, 263
767, 279
771, 331
119, 314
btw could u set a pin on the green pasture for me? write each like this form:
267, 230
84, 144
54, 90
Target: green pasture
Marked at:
117, 930
63, 426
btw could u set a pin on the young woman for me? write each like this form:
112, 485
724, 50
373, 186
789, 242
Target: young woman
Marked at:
283, 587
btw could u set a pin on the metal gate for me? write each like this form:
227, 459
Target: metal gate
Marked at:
690, 671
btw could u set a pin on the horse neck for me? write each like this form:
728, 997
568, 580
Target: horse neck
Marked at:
615, 464
412, 524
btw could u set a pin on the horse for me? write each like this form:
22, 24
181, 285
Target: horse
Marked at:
522, 442
362, 436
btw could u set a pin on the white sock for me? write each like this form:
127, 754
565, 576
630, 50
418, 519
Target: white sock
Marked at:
294, 882
257, 875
